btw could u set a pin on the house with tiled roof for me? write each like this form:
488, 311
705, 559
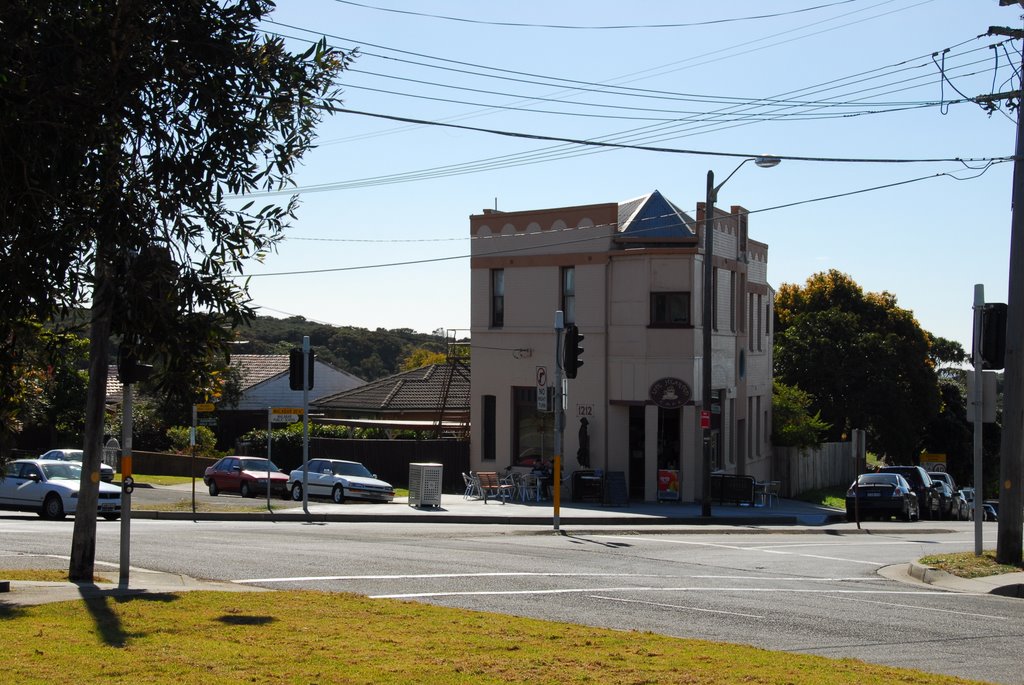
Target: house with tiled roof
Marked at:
264, 384
415, 399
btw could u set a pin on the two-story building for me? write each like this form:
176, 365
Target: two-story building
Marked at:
629, 275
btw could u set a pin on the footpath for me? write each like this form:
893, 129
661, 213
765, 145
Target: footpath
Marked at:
783, 516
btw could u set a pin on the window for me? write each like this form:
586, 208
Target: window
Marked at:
497, 298
714, 299
490, 451
670, 309
569, 294
733, 301
532, 430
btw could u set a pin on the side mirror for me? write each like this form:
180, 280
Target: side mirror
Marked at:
34, 477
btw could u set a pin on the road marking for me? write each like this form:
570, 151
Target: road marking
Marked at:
738, 548
674, 606
920, 608
717, 590
510, 574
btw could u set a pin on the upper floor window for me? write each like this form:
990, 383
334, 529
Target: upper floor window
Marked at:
670, 309
497, 298
569, 294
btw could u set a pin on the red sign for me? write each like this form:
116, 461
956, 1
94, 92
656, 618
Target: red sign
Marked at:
705, 419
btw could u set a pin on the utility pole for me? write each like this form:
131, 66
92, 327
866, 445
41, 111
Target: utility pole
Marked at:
1011, 462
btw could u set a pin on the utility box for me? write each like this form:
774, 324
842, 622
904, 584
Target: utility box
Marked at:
425, 485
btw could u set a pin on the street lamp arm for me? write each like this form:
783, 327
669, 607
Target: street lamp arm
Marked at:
764, 161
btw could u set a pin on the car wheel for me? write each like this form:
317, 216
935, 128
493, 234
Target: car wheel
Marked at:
214, 490
297, 492
338, 494
245, 490
53, 507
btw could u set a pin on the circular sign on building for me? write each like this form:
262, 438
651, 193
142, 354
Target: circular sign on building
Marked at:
670, 393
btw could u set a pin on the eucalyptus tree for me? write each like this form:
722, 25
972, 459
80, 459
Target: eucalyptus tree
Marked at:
127, 126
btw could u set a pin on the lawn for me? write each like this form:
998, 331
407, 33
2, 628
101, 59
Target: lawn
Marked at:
311, 637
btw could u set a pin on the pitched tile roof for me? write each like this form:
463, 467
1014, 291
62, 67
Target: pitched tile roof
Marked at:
256, 368
417, 390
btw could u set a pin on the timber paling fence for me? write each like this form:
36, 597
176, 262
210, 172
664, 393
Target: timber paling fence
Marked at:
831, 464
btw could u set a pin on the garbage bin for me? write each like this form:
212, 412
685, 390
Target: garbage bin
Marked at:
425, 485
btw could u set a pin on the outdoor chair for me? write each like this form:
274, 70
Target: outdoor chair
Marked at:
472, 486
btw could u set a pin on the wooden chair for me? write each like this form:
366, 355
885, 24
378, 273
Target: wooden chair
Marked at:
490, 486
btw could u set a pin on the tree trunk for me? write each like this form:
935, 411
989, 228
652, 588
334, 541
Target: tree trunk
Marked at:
83, 540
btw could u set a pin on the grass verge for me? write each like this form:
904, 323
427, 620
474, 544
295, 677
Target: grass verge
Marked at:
313, 637
826, 497
967, 565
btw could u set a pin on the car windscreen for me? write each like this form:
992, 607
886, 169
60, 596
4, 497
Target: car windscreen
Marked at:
351, 469
257, 465
63, 471
879, 479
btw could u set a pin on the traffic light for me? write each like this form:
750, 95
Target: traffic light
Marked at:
993, 335
129, 370
295, 369
571, 352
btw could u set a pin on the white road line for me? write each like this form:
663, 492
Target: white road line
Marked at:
718, 545
418, 576
674, 606
428, 576
919, 608
718, 590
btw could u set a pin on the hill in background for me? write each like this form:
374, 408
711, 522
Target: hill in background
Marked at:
360, 351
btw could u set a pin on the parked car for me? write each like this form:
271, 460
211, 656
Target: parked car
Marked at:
959, 512
63, 454
882, 495
49, 487
340, 480
246, 476
968, 494
921, 482
988, 513
963, 507
947, 506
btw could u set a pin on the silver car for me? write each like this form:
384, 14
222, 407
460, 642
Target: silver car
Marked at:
65, 454
50, 488
340, 480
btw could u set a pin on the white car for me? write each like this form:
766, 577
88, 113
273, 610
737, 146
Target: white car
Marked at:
50, 488
340, 480
106, 471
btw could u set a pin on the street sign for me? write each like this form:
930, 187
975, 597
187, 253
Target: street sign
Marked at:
206, 407
542, 388
278, 411
705, 419
284, 418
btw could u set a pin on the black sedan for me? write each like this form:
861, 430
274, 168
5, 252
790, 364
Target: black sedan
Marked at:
881, 495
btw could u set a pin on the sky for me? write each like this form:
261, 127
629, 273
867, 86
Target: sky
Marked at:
868, 102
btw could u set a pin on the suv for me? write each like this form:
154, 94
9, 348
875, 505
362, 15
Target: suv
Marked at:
921, 483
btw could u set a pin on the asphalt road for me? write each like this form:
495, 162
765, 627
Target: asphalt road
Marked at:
807, 592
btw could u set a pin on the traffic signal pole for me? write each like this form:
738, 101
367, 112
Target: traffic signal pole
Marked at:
556, 468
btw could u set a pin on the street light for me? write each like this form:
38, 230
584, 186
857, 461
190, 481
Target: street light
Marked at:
764, 161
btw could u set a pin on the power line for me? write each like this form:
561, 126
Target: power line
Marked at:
432, 260
591, 28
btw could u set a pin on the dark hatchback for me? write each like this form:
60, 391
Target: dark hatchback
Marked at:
921, 483
881, 495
